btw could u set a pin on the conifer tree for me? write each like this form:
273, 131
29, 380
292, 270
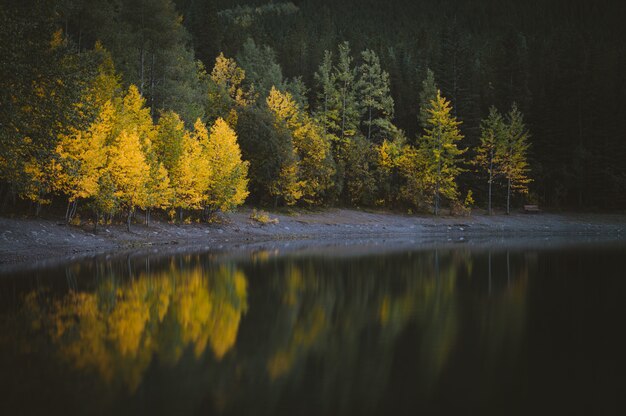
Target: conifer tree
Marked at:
428, 93
512, 155
376, 104
344, 76
260, 66
327, 96
439, 145
273, 160
487, 155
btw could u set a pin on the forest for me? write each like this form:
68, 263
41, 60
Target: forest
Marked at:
190, 107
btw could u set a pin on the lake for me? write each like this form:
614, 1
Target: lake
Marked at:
483, 329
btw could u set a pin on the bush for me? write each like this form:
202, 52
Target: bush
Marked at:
262, 217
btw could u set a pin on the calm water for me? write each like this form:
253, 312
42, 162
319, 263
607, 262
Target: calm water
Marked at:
449, 330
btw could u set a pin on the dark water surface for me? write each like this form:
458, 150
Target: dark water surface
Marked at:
447, 330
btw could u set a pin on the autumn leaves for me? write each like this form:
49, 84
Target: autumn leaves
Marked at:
122, 162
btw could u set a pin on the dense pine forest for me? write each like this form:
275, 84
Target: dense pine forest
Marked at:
114, 106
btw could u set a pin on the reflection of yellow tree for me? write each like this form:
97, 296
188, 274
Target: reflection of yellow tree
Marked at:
116, 330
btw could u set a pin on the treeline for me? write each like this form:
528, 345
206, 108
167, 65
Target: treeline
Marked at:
134, 121
561, 61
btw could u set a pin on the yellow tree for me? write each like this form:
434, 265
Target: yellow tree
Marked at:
130, 172
82, 157
135, 116
439, 145
512, 155
228, 174
190, 174
229, 76
226, 92
315, 167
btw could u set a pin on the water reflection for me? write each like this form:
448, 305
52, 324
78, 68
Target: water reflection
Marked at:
272, 334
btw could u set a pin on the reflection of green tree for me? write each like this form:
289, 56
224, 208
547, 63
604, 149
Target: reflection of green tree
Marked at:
345, 316
117, 329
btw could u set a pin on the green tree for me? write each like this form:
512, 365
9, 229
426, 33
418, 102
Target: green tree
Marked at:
439, 144
512, 155
344, 77
428, 93
327, 95
269, 148
492, 138
376, 103
260, 66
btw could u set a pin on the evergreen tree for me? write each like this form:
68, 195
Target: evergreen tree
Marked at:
374, 97
327, 96
492, 139
261, 70
344, 77
512, 155
439, 144
269, 148
428, 93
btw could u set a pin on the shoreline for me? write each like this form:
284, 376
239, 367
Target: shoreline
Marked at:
29, 242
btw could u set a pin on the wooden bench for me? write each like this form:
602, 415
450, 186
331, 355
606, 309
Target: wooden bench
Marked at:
531, 208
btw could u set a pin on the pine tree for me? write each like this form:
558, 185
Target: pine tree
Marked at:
269, 148
262, 71
228, 180
344, 77
327, 95
439, 144
376, 104
488, 153
512, 155
428, 93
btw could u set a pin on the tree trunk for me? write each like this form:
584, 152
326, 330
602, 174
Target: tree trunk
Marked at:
67, 212
490, 180
369, 128
508, 197
438, 174
180, 215
141, 82
343, 110
147, 216
130, 214
152, 87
